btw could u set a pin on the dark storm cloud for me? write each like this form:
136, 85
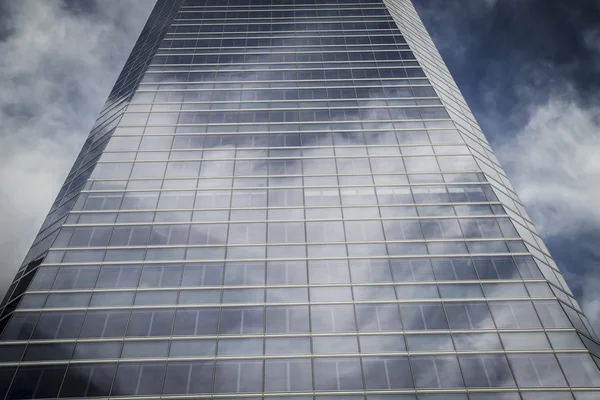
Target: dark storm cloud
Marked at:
506, 52
530, 70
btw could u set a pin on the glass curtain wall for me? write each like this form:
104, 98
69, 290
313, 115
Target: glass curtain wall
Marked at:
287, 209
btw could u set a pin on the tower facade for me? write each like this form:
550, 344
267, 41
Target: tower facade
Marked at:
290, 199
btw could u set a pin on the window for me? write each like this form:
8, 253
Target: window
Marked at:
189, 377
536, 370
441, 229
580, 369
34, 382
286, 272
288, 375
241, 320
244, 273
436, 372
514, 315
335, 318
20, 326
496, 268
125, 276
138, 379
157, 275
471, 315
370, 271
58, 325
328, 271
383, 373
287, 319
423, 316
412, 270
150, 322
285, 232
202, 274
196, 321
169, 235
338, 374
452, 269
88, 380
238, 376
90, 351
130, 236
486, 371
83, 237
378, 318
104, 324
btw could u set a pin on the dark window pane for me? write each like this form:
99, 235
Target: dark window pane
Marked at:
48, 351
11, 353
150, 323
189, 377
88, 380
88, 351
20, 326
387, 373
138, 379
37, 382
201, 321
104, 324
6, 376
55, 325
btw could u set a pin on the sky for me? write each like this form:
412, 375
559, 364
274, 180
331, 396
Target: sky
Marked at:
529, 69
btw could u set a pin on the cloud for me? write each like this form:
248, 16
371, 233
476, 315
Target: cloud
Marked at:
553, 163
534, 89
59, 61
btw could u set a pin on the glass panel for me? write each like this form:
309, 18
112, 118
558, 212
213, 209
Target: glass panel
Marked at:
536, 370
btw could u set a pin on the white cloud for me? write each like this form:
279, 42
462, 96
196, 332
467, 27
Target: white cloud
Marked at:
56, 69
554, 165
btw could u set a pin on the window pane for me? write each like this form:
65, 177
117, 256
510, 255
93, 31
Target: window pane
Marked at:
486, 371
189, 377
536, 370
338, 374
88, 380
387, 373
34, 382
288, 375
238, 377
436, 372
138, 379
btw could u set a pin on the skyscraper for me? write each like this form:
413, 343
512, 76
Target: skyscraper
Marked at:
290, 198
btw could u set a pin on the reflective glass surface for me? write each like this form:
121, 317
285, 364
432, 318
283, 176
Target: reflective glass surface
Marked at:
294, 201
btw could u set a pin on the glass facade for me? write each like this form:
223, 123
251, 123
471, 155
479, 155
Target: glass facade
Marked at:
290, 198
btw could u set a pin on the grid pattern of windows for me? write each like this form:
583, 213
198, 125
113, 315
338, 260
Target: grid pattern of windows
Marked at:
288, 207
